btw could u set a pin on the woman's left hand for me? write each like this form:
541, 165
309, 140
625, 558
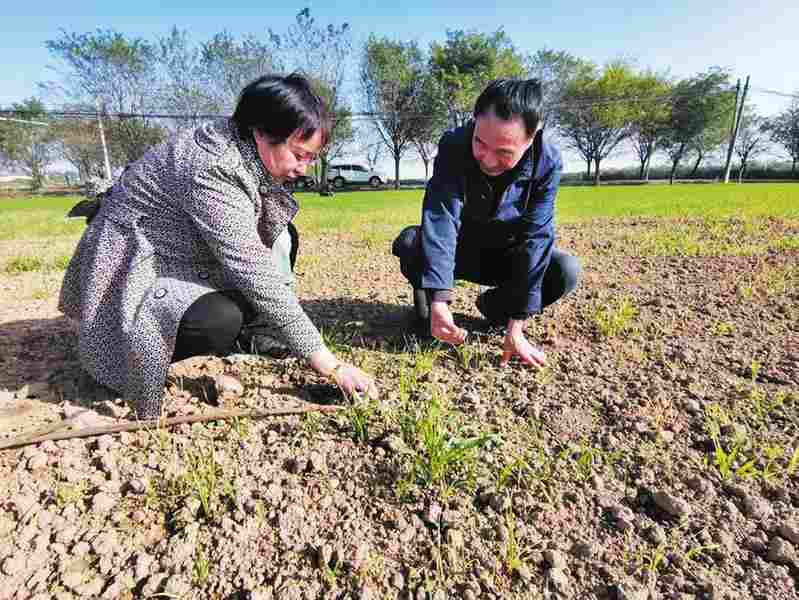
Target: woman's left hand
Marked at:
351, 380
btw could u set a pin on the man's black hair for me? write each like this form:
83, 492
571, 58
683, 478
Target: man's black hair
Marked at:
510, 98
277, 106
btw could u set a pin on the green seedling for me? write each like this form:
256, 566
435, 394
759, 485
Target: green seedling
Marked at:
24, 264
616, 319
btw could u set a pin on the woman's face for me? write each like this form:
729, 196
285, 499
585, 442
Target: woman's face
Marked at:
288, 160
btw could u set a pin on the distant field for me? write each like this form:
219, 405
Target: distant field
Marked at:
378, 214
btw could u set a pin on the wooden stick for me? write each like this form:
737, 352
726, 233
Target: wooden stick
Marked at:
27, 439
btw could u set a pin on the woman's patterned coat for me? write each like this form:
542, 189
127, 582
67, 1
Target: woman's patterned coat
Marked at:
196, 214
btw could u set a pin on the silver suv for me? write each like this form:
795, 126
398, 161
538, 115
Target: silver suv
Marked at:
341, 175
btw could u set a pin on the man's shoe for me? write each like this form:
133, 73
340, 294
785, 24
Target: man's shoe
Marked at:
261, 344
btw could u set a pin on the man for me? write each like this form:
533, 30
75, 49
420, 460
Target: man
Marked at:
488, 217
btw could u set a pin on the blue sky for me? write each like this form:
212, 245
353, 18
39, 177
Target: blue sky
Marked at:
681, 36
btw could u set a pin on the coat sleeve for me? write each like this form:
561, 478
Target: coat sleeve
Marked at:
539, 236
441, 211
225, 218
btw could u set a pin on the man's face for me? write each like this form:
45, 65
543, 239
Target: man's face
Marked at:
498, 145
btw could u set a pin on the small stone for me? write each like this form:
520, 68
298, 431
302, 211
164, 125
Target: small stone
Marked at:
91, 589
177, 586
756, 508
103, 502
397, 580
667, 435
137, 486
366, 593
296, 465
692, 406
584, 550
14, 564
625, 592
317, 462
37, 461
790, 531
105, 442
676, 507
698, 485
559, 581
227, 384
781, 552
499, 502
154, 584
757, 543
407, 534
555, 559
657, 535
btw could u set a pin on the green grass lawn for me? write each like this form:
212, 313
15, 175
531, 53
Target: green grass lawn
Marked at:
378, 215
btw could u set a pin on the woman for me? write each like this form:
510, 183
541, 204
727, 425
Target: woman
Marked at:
189, 251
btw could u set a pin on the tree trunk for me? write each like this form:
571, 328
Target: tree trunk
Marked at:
793, 169
675, 163
324, 184
588, 170
396, 171
426, 164
646, 169
596, 171
642, 169
741, 171
696, 164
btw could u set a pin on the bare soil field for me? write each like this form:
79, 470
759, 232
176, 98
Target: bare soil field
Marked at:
655, 456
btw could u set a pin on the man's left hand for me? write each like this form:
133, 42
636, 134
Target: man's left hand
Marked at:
516, 344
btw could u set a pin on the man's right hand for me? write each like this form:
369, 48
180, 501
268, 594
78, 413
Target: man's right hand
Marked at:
442, 326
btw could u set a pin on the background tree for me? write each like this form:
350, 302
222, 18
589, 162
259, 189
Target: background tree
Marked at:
323, 53
784, 131
752, 140
699, 104
78, 142
592, 120
227, 64
27, 146
431, 120
391, 78
186, 89
649, 117
556, 70
466, 62
122, 73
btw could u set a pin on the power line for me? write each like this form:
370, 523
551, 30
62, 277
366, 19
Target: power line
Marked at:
371, 115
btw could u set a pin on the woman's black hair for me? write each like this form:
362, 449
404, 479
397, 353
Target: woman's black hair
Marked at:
510, 98
277, 106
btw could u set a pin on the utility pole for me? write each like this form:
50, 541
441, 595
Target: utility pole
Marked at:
102, 140
736, 128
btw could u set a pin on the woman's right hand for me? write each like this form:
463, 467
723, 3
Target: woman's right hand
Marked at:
351, 380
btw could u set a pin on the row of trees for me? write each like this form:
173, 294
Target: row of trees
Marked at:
394, 98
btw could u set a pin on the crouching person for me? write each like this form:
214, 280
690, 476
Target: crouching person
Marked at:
488, 218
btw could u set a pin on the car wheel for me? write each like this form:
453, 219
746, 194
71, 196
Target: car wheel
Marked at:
374, 182
338, 183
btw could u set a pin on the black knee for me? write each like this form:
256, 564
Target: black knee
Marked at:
408, 243
209, 326
408, 247
571, 271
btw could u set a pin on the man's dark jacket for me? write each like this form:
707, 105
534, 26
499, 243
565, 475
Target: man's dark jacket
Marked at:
460, 209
